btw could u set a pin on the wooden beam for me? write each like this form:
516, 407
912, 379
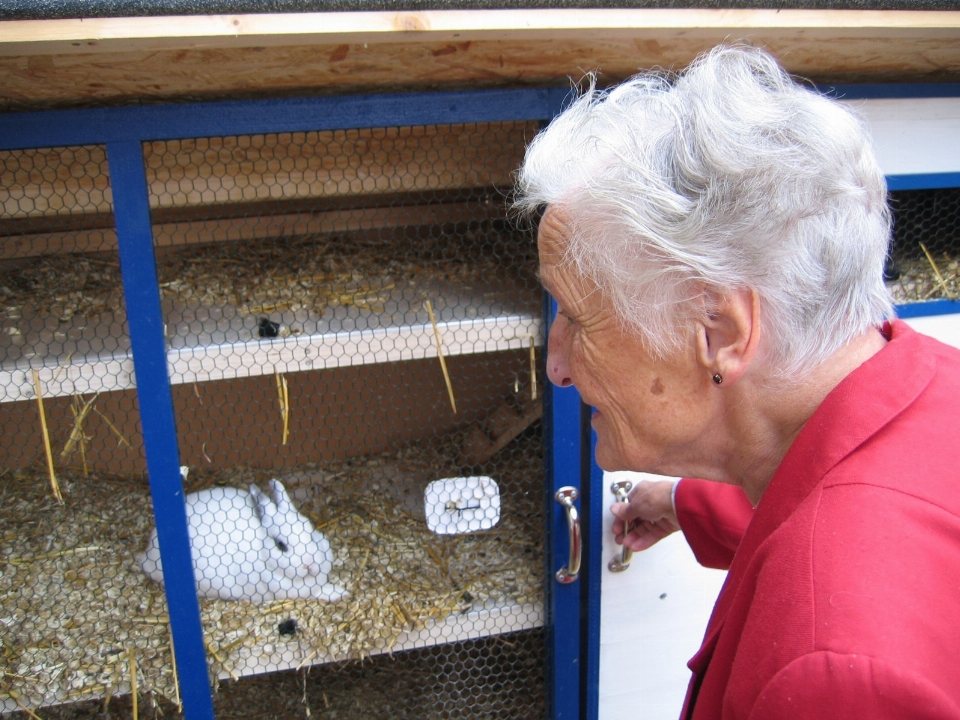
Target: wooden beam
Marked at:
48, 37
192, 232
95, 62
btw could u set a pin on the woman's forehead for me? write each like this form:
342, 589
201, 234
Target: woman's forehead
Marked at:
552, 238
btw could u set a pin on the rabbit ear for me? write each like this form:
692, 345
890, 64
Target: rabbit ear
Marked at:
264, 507
280, 497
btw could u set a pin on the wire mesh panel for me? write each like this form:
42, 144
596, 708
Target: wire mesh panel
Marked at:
354, 333
71, 491
925, 257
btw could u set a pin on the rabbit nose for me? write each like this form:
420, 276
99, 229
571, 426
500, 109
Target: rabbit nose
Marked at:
313, 569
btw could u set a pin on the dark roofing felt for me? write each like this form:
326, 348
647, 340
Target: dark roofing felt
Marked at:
56, 9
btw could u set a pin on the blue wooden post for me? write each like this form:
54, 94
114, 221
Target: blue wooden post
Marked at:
568, 457
562, 407
142, 295
595, 502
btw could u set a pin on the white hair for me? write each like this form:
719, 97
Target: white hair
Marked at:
729, 175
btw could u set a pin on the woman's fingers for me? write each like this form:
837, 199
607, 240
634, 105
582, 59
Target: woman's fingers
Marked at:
647, 517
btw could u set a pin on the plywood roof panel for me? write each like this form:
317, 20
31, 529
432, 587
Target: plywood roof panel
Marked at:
64, 63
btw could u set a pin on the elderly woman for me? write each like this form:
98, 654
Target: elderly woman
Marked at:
715, 244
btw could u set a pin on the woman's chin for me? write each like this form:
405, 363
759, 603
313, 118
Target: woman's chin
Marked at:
607, 457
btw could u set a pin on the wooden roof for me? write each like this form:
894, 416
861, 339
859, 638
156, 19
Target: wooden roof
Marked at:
109, 61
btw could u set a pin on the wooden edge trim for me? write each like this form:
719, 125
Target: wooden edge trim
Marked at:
267, 226
97, 35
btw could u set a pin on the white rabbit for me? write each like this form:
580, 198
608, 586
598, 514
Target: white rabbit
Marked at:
246, 546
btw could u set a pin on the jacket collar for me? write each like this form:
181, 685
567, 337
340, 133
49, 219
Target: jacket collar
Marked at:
856, 409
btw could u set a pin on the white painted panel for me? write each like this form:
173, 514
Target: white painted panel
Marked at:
945, 328
914, 136
652, 619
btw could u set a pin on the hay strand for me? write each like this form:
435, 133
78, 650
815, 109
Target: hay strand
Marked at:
176, 677
308, 658
74, 407
107, 697
284, 398
121, 440
303, 699
443, 363
77, 437
54, 555
220, 661
16, 698
533, 368
46, 439
936, 271
133, 681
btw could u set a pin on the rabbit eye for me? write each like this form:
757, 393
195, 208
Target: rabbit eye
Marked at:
282, 545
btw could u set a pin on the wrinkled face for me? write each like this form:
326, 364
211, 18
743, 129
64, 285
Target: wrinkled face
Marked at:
649, 414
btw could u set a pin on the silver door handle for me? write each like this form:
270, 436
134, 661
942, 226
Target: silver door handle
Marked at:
622, 561
566, 496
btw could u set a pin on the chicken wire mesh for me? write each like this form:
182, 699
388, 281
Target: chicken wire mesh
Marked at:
70, 423
353, 336
311, 284
925, 254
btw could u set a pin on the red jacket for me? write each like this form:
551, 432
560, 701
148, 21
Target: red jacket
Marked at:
843, 597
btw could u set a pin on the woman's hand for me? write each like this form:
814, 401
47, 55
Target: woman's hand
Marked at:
648, 515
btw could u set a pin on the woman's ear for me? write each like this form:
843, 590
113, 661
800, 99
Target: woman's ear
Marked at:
729, 334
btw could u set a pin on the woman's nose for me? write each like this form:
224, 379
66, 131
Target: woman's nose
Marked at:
557, 368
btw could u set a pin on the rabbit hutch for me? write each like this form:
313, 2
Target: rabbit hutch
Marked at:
264, 304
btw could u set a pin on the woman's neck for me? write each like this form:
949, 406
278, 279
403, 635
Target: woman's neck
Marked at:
765, 416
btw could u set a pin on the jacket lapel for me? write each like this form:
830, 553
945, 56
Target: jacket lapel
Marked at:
860, 405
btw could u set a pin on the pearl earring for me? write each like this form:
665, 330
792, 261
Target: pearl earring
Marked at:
718, 378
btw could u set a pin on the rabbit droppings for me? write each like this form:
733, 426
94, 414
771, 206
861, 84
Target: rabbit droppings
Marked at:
246, 546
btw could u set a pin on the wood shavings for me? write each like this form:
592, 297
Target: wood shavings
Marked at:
936, 272
918, 281
259, 277
64, 286
312, 272
77, 603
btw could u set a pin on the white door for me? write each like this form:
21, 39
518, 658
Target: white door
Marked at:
652, 619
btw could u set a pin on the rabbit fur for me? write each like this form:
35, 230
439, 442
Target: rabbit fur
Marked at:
247, 546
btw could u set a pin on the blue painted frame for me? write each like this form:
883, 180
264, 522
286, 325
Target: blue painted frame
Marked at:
123, 130
56, 128
142, 297
928, 181
599, 498
573, 611
564, 461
